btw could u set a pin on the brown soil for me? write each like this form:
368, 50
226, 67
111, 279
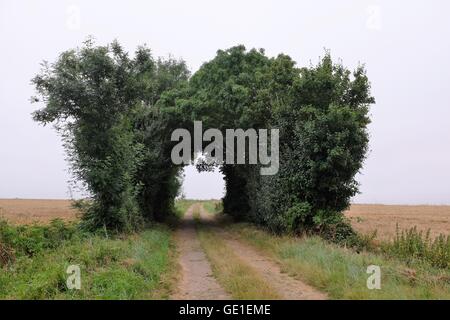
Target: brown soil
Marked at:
197, 281
369, 217
25, 211
286, 286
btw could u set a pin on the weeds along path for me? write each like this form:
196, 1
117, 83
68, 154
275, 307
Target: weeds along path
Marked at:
197, 281
269, 271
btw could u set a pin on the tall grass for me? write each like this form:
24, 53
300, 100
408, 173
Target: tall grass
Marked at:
413, 245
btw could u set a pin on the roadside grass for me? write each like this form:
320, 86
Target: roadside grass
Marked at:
239, 279
182, 205
341, 272
213, 206
136, 266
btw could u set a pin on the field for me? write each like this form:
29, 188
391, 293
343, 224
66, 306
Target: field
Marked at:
207, 256
24, 211
366, 218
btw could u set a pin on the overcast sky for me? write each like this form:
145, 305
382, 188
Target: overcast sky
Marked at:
404, 44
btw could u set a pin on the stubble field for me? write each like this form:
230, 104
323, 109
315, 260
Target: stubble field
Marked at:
26, 211
366, 218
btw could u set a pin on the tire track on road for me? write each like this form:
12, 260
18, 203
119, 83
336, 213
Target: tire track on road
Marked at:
197, 281
286, 286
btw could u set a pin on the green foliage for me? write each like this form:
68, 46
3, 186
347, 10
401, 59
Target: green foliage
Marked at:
297, 215
410, 245
103, 104
116, 115
29, 240
322, 115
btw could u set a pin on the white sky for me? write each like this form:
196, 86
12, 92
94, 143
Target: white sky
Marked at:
405, 45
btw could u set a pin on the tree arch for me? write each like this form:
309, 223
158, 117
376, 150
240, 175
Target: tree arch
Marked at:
116, 115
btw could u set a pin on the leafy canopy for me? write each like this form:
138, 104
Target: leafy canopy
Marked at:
116, 115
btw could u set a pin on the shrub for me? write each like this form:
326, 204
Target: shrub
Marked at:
296, 216
415, 245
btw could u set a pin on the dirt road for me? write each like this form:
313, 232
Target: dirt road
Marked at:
197, 281
285, 286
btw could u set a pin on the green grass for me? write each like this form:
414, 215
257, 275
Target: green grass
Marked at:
135, 266
32, 239
342, 273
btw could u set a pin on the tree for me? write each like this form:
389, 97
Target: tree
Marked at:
98, 97
116, 115
322, 115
